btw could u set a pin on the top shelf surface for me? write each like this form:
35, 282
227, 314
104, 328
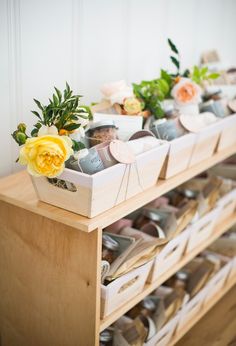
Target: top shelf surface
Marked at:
17, 189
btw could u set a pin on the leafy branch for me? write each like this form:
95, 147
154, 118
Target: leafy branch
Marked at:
175, 58
63, 111
153, 92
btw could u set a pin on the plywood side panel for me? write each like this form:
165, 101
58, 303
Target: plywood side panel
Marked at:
49, 290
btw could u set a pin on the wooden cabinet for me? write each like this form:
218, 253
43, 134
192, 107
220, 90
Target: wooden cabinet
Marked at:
50, 264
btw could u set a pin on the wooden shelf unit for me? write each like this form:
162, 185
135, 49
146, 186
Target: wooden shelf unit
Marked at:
50, 263
219, 230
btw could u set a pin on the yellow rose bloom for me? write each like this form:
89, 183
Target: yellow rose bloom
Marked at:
46, 155
132, 106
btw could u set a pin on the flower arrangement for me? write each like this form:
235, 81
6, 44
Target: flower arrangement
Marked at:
185, 88
49, 145
122, 98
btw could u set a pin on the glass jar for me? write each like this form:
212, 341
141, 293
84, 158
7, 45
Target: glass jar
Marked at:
149, 307
181, 278
102, 131
106, 337
146, 215
110, 248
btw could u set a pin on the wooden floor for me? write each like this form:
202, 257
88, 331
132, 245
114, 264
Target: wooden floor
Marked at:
217, 328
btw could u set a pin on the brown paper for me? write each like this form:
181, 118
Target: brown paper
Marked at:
135, 333
145, 249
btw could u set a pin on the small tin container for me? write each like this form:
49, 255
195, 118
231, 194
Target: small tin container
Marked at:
110, 248
168, 129
215, 107
106, 337
91, 163
102, 131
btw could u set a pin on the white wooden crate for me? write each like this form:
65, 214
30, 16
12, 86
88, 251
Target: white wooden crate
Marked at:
119, 291
191, 309
227, 137
206, 143
226, 205
179, 155
163, 337
169, 256
101, 191
202, 229
217, 282
232, 273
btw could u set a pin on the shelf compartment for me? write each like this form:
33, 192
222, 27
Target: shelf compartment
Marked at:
218, 231
205, 308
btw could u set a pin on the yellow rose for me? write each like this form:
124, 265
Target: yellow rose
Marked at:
132, 106
46, 155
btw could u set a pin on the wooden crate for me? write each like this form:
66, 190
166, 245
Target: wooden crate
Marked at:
178, 157
163, 337
119, 291
202, 229
191, 309
226, 205
206, 143
169, 256
227, 137
232, 273
99, 192
217, 282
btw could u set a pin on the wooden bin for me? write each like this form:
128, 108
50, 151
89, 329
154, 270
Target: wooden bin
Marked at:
202, 229
232, 273
178, 157
227, 137
163, 337
169, 256
191, 309
217, 282
206, 143
226, 205
119, 291
94, 194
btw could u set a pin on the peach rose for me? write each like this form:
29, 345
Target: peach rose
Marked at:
186, 92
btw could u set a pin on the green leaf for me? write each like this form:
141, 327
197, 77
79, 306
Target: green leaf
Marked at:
38, 104
175, 62
163, 86
68, 87
37, 114
76, 146
213, 75
166, 76
204, 71
55, 99
71, 127
59, 94
34, 132
172, 46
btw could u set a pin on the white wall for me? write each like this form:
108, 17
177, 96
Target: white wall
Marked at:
89, 42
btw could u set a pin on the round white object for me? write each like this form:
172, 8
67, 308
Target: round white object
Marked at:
195, 123
121, 152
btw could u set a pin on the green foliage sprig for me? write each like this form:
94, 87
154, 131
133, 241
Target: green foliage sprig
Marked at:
152, 93
201, 74
63, 111
175, 57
